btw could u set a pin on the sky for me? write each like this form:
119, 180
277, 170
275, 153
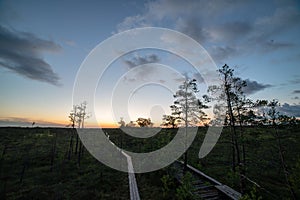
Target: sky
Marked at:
44, 43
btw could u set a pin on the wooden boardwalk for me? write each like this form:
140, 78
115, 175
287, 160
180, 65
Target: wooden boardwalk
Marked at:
133, 188
134, 192
204, 186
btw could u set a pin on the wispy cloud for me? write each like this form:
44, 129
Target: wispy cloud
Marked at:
20, 52
70, 43
145, 69
193, 28
253, 87
141, 60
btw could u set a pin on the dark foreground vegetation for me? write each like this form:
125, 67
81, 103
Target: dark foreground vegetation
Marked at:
48, 163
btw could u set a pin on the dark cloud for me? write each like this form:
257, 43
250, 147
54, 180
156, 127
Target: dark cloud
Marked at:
296, 80
196, 75
296, 92
140, 60
193, 28
143, 72
273, 45
296, 98
20, 52
290, 110
221, 53
214, 24
253, 87
232, 31
18, 121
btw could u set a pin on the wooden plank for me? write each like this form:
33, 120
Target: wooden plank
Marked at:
228, 191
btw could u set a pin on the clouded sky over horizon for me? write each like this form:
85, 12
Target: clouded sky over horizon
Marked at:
43, 43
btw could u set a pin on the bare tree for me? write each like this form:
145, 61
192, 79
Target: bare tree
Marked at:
77, 118
81, 114
81, 117
73, 119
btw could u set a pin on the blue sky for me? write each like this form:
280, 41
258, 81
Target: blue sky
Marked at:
43, 43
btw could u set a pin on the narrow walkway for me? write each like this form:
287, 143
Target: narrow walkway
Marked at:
205, 186
134, 192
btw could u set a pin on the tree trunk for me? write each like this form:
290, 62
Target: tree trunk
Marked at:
70, 151
53, 151
186, 126
233, 151
243, 162
232, 124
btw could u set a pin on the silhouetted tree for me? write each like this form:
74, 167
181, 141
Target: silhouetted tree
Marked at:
121, 122
143, 122
81, 114
81, 117
77, 118
170, 120
188, 107
231, 93
72, 117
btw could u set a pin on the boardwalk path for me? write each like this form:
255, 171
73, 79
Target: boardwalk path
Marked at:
134, 192
205, 186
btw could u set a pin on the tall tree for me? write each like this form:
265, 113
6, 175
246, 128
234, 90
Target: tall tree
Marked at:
231, 93
188, 107
73, 120
77, 118
81, 117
